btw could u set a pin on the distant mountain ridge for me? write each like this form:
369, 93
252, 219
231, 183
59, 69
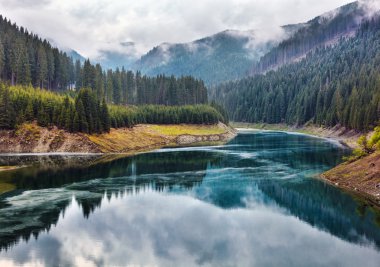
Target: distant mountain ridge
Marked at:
324, 30
221, 57
333, 85
233, 54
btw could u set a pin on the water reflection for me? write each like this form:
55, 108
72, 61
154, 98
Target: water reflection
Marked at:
252, 202
160, 230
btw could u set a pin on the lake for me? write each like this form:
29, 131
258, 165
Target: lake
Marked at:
255, 201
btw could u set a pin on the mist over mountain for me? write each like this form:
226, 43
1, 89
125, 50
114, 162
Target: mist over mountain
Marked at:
326, 74
325, 30
234, 54
125, 56
224, 56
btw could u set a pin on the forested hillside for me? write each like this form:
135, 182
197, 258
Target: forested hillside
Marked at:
324, 30
333, 85
222, 57
26, 59
85, 113
40, 83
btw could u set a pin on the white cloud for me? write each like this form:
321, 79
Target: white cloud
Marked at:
371, 6
90, 26
166, 230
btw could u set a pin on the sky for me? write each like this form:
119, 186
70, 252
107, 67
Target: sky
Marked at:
90, 26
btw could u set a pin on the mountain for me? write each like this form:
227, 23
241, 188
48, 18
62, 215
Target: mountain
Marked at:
75, 55
69, 51
324, 30
126, 55
227, 55
232, 54
332, 85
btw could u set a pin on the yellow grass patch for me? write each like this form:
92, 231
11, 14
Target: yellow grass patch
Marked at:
176, 130
125, 140
144, 137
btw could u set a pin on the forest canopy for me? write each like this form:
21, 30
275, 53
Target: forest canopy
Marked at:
336, 85
41, 83
86, 113
26, 59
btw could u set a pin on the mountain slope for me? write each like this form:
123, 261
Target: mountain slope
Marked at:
231, 55
333, 85
324, 30
224, 56
125, 56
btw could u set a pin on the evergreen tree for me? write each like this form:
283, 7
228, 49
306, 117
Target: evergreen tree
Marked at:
105, 116
42, 67
29, 111
2, 59
78, 75
7, 113
80, 123
43, 117
109, 87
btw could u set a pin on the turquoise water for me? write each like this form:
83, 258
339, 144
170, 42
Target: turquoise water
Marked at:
252, 202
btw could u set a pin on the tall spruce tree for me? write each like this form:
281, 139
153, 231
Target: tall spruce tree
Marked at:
7, 113
105, 116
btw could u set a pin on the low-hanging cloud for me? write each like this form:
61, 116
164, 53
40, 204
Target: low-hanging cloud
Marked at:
90, 26
370, 6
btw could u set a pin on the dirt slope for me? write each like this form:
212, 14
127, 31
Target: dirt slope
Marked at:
361, 177
31, 138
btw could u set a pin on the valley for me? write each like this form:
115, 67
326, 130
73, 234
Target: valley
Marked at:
190, 133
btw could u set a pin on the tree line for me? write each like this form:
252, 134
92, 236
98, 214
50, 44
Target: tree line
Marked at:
26, 59
86, 113
335, 85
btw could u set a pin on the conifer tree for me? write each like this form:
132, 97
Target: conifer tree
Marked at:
2, 59
29, 111
105, 116
42, 67
81, 120
43, 117
7, 113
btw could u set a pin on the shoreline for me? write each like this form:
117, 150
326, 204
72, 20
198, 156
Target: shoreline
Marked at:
338, 134
337, 176
333, 140
31, 139
360, 178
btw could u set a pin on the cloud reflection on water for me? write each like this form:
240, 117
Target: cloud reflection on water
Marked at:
153, 229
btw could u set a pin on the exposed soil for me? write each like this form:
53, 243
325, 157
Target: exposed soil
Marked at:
361, 177
31, 138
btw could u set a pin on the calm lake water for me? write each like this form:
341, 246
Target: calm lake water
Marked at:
252, 202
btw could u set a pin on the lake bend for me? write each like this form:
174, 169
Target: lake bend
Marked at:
256, 201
